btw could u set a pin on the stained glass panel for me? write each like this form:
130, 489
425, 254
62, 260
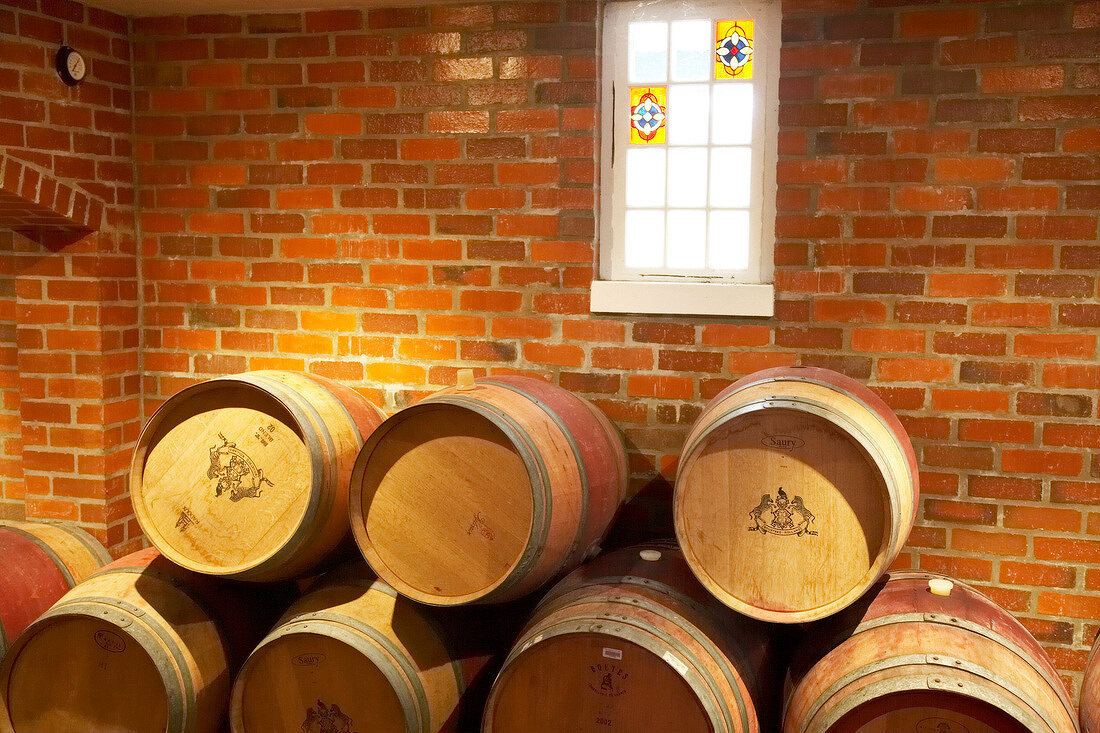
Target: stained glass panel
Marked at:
733, 49
648, 115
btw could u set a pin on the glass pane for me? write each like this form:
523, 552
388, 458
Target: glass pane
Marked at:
692, 105
645, 238
732, 114
687, 233
733, 57
645, 177
728, 244
648, 115
648, 52
691, 50
730, 177
687, 177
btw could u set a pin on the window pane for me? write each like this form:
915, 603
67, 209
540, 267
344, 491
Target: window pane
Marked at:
687, 177
734, 49
732, 114
648, 108
648, 51
687, 233
645, 177
692, 105
730, 177
645, 238
691, 50
728, 247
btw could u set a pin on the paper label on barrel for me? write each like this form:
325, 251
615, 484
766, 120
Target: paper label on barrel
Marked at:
675, 663
612, 653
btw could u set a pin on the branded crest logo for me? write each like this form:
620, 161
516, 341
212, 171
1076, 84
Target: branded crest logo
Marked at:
236, 473
783, 516
327, 719
607, 679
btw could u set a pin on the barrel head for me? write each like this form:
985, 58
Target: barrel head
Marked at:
445, 503
225, 488
592, 682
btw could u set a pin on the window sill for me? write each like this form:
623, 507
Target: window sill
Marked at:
683, 298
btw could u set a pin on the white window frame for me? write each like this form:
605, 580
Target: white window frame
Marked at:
741, 294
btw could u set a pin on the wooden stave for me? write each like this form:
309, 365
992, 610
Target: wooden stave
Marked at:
63, 555
323, 524
595, 443
895, 459
326, 612
1090, 693
557, 490
183, 655
614, 586
901, 600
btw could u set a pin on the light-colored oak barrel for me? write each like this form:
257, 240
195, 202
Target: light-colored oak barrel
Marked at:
353, 655
39, 563
142, 645
246, 476
631, 643
796, 490
1090, 693
483, 493
906, 659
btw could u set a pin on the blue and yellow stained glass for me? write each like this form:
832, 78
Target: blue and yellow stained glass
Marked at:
733, 52
648, 115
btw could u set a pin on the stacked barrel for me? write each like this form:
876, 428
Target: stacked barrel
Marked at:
795, 493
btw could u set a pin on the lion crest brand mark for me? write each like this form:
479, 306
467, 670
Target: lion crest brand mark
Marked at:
327, 719
782, 517
236, 473
187, 518
109, 641
481, 526
607, 679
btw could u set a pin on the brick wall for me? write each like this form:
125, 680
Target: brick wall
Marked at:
386, 195
68, 304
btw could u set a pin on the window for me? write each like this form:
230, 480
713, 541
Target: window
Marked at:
688, 144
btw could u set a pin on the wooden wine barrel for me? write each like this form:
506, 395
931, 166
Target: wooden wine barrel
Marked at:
40, 563
246, 476
796, 489
353, 655
904, 658
142, 645
507, 482
1090, 693
630, 642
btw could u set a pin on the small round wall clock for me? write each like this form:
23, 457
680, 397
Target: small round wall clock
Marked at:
71, 66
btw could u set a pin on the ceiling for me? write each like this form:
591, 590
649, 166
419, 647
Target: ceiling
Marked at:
144, 8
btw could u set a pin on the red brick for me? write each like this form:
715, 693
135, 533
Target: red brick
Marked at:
959, 512
1041, 462
1048, 518
979, 50
1026, 573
